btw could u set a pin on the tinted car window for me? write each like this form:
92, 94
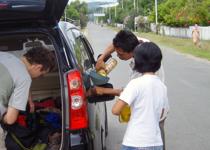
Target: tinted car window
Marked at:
82, 55
80, 51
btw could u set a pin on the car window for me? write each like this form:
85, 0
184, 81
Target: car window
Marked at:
80, 50
81, 54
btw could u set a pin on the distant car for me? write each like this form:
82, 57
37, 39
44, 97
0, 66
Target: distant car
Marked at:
29, 23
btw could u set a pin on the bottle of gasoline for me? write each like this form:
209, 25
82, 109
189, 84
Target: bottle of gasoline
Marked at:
109, 66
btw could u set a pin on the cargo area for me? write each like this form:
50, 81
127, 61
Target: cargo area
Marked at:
45, 124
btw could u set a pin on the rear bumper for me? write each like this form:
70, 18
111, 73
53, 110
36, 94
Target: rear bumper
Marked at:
79, 147
81, 140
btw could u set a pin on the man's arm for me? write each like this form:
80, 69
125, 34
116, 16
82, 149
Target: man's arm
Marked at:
107, 91
103, 91
31, 103
118, 106
11, 115
100, 62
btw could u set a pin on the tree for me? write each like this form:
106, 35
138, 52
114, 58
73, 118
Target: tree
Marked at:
177, 13
182, 13
78, 11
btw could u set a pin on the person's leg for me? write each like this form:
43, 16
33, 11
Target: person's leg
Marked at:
158, 148
2, 139
161, 124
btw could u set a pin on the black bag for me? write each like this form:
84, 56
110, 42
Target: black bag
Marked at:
37, 146
102, 98
28, 136
24, 135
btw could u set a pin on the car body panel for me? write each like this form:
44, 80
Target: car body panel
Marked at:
98, 119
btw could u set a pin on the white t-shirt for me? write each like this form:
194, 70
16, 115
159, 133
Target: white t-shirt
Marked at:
160, 73
147, 96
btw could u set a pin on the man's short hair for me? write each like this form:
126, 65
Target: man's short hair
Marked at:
125, 40
147, 57
41, 55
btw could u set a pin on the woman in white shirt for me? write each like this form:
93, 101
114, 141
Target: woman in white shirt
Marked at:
147, 97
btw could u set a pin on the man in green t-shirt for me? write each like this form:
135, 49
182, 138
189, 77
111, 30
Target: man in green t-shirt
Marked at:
16, 75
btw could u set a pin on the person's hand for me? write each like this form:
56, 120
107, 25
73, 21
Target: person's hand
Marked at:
31, 104
118, 91
100, 64
108, 91
90, 92
98, 90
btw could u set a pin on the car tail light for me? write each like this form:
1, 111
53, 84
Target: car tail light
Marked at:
3, 6
77, 100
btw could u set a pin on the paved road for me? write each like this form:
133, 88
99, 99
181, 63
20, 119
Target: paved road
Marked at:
188, 82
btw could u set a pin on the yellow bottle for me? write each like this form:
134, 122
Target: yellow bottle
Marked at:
125, 114
102, 72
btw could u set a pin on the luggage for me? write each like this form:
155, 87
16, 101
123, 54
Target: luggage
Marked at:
32, 130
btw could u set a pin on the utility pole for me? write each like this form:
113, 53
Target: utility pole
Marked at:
137, 4
156, 16
65, 15
109, 15
122, 4
156, 13
134, 22
115, 11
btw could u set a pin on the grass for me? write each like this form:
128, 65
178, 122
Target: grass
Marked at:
180, 44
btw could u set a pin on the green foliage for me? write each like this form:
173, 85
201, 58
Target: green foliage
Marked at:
72, 13
78, 11
120, 15
182, 13
125, 10
180, 44
177, 13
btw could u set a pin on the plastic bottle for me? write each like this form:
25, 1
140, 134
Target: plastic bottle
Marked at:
125, 114
102, 72
109, 66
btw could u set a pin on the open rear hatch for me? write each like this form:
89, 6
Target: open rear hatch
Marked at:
44, 12
45, 124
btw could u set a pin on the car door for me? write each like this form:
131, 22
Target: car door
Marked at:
100, 119
96, 110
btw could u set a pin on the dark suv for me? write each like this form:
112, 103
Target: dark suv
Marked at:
29, 23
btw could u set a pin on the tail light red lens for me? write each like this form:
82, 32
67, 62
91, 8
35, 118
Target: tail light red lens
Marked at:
77, 100
3, 6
